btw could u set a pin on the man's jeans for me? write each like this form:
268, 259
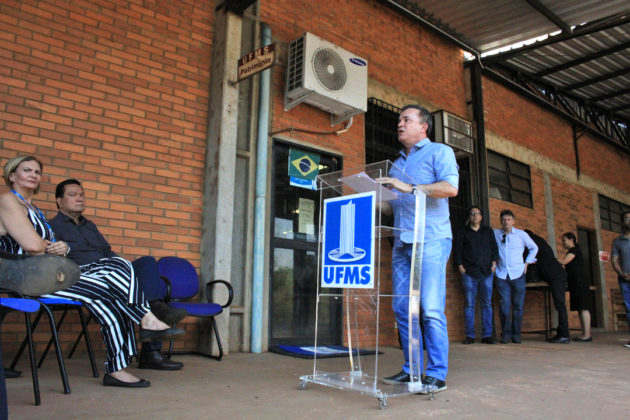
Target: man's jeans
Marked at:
146, 270
432, 302
625, 291
511, 293
471, 285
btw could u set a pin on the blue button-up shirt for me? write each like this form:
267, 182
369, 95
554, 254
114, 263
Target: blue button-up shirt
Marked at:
427, 163
511, 253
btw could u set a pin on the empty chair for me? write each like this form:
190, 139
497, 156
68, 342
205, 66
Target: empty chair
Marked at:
182, 283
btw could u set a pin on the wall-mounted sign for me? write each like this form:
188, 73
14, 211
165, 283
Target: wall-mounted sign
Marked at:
348, 242
256, 61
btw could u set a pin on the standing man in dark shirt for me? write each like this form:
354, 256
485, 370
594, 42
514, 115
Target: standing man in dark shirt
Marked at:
88, 245
475, 255
551, 271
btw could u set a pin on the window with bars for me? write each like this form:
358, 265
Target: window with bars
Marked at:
381, 137
610, 213
510, 180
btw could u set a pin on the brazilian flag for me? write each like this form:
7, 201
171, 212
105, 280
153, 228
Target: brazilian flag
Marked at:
303, 165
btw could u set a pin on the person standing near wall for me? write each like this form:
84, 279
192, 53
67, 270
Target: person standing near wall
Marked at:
621, 262
433, 170
510, 275
475, 254
578, 284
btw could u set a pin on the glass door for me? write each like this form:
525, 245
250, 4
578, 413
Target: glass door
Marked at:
293, 280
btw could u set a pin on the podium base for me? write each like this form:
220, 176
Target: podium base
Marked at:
360, 382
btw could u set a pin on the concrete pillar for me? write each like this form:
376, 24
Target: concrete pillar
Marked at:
216, 240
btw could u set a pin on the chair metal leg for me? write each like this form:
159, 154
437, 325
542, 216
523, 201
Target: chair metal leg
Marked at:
216, 335
62, 367
50, 342
31, 352
33, 325
88, 343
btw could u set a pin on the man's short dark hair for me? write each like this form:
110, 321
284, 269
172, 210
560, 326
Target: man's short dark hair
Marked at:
506, 212
425, 115
61, 187
623, 214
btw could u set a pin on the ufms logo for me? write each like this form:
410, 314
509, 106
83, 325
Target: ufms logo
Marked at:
348, 244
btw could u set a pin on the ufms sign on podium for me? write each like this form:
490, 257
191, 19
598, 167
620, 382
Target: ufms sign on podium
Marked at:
348, 243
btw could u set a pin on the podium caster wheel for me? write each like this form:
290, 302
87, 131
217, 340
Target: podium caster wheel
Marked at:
382, 403
302, 385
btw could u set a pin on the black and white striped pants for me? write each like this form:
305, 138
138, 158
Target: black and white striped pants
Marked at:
109, 290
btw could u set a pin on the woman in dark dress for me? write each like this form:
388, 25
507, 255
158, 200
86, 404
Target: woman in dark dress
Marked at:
578, 284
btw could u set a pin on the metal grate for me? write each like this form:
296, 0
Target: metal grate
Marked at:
381, 137
295, 64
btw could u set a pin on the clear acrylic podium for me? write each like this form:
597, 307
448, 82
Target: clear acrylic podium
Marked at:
368, 324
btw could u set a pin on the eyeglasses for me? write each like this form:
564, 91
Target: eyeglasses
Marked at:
503, 239
475, 213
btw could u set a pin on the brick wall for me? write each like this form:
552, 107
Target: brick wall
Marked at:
113, 93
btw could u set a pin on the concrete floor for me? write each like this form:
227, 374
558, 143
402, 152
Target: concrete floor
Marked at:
533, 380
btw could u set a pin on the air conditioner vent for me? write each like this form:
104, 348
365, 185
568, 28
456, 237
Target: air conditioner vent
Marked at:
453, 130
329, 69
327, 76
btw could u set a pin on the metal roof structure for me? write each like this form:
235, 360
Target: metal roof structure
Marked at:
579, 66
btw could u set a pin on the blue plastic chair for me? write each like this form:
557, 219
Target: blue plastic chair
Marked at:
28, 306
182, 283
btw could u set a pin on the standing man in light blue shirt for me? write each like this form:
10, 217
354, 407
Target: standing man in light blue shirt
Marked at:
433, 170
510, 275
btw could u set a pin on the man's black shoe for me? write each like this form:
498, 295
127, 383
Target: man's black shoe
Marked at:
468, 340
400, 377
156, 360
167, 314
516, 340
487, 340
583, 340
431, 384
505, 340
559, 340
11, 373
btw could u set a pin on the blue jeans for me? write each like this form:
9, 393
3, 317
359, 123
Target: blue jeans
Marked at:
625, 291
511, 293
432, 302
471, 285
149, 281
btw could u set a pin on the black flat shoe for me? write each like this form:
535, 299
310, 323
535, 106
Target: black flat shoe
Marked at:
109, 380
156, 335
35, 275
468, 340
583, 340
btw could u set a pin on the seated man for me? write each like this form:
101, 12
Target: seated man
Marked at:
88, 245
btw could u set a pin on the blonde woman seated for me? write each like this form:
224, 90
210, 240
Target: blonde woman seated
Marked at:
108, 288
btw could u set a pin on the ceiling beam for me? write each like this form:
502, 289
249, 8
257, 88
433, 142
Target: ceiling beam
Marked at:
582, 60
577, 32
546, 12
598, 79
610, 95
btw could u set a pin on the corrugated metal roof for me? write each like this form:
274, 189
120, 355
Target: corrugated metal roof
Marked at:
585, 66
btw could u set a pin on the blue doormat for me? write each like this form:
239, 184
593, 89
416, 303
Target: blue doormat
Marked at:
308, 352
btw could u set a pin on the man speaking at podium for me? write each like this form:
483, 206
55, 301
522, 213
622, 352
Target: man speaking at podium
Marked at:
433, 170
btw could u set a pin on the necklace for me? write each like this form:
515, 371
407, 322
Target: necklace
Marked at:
40, 216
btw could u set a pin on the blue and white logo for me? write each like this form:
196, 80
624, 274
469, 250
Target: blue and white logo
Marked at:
348, 243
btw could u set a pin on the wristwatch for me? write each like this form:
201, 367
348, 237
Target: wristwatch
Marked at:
413, 189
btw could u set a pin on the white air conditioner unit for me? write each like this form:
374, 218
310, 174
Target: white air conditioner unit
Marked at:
326, 76
452, 130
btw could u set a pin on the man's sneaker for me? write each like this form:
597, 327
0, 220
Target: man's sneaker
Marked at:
431, 384
557, 339
627, 344
468, 340
400, 377
487, 340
